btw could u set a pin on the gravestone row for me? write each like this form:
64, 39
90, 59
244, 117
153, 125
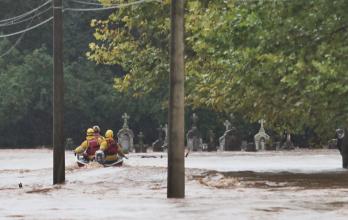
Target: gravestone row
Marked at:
230, 140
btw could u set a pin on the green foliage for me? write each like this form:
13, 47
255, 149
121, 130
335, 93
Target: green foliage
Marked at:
139, 45
285, 61
26, 85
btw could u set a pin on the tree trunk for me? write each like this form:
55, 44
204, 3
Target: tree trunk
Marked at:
176, 148
58, 95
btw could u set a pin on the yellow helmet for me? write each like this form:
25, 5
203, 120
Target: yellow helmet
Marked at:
90, 132
109, 134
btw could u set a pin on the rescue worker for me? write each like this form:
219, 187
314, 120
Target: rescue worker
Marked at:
110, 148
97, 134
89, 146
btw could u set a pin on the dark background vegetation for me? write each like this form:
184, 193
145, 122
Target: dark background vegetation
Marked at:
90, 96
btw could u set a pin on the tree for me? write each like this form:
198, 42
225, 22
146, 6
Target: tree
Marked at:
284, 61
25, 85
25, 73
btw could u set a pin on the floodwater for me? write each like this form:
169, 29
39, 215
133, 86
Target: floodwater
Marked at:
299, 184
322, 180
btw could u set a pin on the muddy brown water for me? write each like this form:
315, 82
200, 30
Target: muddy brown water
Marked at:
274, 180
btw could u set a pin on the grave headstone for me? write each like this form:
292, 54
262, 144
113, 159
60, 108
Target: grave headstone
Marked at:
157, 145
211, 141
286, 142
194, 142
140, 146
250, 147
165, 142
227, 125
193, 136
261, 138
231, 140
126, 135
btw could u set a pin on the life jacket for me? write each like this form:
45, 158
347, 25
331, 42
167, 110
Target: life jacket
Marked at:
112, 147
99, 137
93, 146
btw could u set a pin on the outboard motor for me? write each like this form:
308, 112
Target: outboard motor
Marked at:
99, 156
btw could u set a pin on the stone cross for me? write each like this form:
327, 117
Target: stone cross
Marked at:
125, 117
194, 120
262, 121
165, 129
227, 124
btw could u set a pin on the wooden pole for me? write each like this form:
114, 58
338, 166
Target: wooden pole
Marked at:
176, 148
58, 95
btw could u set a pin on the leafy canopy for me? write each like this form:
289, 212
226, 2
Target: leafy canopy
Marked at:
284, 61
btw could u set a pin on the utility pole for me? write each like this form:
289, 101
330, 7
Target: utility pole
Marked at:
58, 95
176, 148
